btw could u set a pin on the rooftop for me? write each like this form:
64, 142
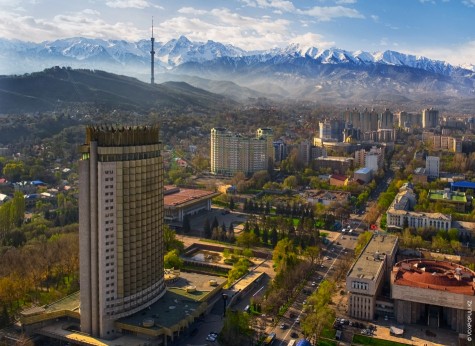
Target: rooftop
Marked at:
463, 184
177, 196
364, 170
436, 275
371, 261
449, 196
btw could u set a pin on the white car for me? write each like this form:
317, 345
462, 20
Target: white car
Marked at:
212, 337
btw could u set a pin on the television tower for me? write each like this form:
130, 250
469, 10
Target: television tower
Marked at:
152, 57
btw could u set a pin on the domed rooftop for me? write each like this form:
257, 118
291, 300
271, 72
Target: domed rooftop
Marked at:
432, 274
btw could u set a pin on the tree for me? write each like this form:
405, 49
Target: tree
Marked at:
236, 329
284, 255
290, 182
312, 253
172, 260
265, 236
319, 314
230, 234
363, 239
13, 171
274, 237
170, 241
247, 240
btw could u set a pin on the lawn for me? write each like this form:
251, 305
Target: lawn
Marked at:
366, 340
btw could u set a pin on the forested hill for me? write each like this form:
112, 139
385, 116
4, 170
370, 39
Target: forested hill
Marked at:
55, 88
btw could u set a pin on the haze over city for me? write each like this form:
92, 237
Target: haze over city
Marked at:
438, 29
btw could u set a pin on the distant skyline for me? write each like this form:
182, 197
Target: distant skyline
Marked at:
437, 29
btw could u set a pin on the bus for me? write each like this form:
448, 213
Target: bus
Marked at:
269, 339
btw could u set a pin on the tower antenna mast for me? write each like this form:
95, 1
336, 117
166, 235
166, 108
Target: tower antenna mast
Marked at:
152, 58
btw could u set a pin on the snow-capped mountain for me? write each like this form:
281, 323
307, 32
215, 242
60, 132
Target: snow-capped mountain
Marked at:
179, 51
296, 71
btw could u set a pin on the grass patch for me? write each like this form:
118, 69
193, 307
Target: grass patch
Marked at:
326, 343
366, 340
328, 333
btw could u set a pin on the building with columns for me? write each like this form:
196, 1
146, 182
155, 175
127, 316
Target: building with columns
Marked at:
434, 293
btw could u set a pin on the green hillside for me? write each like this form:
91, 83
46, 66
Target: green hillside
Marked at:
56, 87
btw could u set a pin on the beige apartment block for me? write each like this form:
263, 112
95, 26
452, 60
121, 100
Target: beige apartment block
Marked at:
120, 225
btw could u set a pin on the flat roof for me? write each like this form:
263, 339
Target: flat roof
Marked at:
364, 170
458, 197
369, 263
184, 196
466, 184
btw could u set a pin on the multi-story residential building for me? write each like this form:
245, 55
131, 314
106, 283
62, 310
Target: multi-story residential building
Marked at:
120, 225
372, 159
336, 164
409, 121
443, 143
432, 166
430, 118
280, 150
232, 153
305, 152
399, 215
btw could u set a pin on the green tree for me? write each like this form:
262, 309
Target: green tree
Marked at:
274, 237
170, 241
13, 171
290, 182
236, 329
247, 239
172, 260
284, 255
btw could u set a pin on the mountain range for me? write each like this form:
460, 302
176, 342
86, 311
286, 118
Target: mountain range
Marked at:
293, 72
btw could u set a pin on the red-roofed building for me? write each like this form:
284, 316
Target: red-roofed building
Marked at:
338, 180
438, 293
180, 202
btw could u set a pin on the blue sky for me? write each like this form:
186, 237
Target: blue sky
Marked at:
438, 29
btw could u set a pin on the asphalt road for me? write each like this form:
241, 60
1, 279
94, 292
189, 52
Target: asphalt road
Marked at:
334, 254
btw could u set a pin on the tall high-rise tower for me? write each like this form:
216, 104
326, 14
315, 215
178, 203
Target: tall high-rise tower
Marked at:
120, 225
152, 58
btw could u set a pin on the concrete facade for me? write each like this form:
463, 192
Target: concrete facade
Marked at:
435, 293
232, 153
120, 225
367, 275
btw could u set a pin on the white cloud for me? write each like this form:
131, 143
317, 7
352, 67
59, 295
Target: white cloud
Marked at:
312, 40
345, 2
86, 23
140, 4
228, 27
375, 18
457, 55
469, 3
329, 13
282, 5
191, 10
